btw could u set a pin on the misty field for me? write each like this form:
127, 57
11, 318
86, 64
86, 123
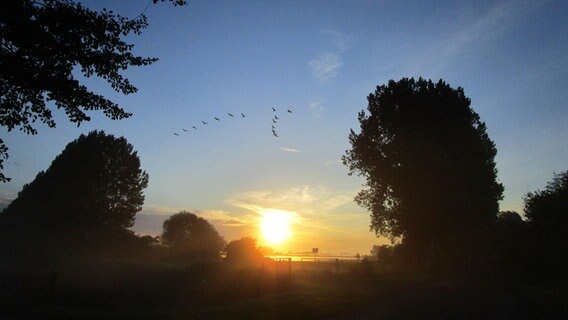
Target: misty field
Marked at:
312, 291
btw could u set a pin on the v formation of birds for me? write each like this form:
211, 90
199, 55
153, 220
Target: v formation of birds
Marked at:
275, 120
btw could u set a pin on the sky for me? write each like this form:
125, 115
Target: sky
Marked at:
320, 59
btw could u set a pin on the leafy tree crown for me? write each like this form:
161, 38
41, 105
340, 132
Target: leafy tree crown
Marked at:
548, 208
44, 43
427, 160
94, 186
185, 232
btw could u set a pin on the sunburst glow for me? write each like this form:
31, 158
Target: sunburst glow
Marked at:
275, 226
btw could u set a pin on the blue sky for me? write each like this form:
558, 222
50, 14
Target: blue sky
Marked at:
320, 59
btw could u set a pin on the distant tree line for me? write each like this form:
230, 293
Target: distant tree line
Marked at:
85, 203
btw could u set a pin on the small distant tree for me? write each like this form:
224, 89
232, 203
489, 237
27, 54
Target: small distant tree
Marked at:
92, 190
188, 235
547, 214
243, 252
429, 166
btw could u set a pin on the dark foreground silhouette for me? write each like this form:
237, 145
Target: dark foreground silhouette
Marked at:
124, 288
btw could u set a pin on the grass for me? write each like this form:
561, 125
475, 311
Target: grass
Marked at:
248, 293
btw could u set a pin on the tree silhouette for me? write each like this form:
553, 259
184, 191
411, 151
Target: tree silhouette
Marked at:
91, 191
510, 240
42, 43
547, 214
428, 163
187, 234
243, 252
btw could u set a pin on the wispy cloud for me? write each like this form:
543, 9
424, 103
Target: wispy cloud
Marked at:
452, 46
225, 218
316, 108
151, 219
318, 215
325, 66
156, 210
290, 150
493, 24
332, 162
305, 199
314, 209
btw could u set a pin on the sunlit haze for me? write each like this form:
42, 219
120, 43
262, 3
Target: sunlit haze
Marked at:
275, 226
276, 174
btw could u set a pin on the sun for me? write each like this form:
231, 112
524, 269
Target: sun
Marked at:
275, 226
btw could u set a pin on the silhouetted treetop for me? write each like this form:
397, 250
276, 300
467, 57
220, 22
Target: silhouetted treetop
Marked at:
427, 160
549, 207
243, 252
43, 43
547, 214
92, 189
186, 233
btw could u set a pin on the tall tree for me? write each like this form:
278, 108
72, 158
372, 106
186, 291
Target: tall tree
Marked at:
428, 163
42, 43
187, 234
547, 214
93, 189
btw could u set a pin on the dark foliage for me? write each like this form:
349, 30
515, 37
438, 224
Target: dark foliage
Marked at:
510, 242
42, 43
382, 253
429, 166
89, 194
547, 214
189, 235
243, 252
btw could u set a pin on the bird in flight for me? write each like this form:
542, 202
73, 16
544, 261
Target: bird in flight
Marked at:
204, 122
273, 109
242, 114
289, 111
216, 119
185, 130
194, 127
175, 134
273, 127
274, 133
276, 117
230, 114
274, 121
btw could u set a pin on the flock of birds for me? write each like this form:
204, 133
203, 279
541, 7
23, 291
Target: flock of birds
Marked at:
275, 120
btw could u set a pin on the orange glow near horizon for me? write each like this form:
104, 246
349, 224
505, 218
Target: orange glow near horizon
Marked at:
275, 226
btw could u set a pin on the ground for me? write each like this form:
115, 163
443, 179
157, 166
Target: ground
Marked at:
262, 293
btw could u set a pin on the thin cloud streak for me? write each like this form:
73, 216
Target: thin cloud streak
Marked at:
332, 162
325, 66
289, 150
452, 46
